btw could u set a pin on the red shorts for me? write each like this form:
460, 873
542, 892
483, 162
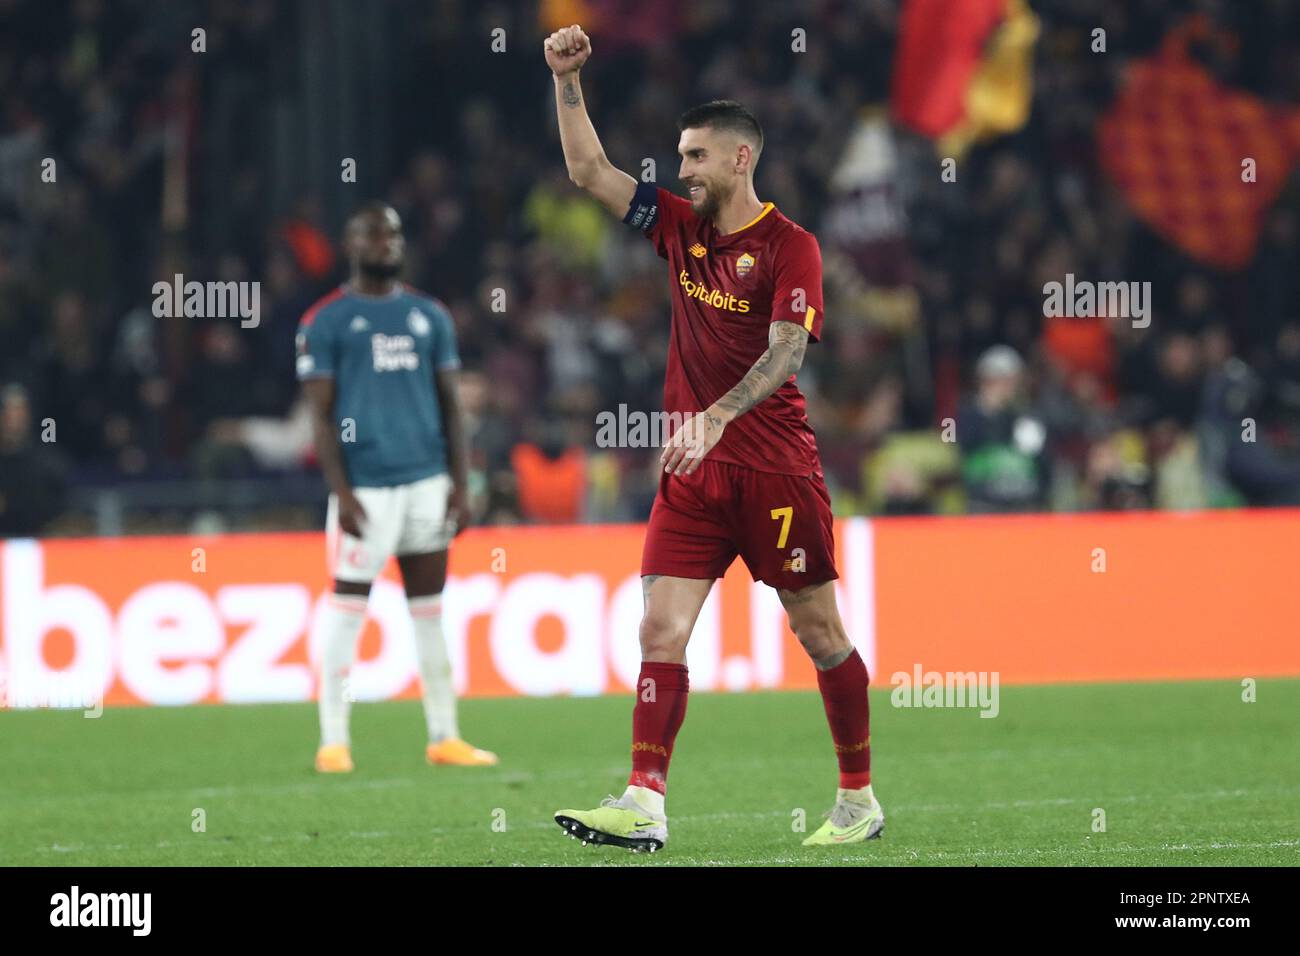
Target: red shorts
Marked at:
780, 524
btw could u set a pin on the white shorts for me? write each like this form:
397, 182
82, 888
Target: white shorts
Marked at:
403, 519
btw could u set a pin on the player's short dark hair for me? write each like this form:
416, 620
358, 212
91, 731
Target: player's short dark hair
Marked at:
373, 207
726, 115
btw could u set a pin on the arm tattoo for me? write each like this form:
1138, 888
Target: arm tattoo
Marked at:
786, 344
571, 97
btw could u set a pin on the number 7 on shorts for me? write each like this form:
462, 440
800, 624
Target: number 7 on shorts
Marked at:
785, 514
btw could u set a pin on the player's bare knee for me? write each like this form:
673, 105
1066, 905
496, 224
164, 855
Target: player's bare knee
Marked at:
820, 636
663, 637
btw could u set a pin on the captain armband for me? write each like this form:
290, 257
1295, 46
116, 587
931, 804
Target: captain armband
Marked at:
643, 212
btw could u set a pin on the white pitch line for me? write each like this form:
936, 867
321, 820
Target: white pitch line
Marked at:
1066, 801
723, 816
504, 777
915, 855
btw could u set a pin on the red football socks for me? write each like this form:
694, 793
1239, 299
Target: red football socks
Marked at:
660, 709
844, 693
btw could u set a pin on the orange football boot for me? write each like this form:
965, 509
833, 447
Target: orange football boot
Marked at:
455, 751
334, 758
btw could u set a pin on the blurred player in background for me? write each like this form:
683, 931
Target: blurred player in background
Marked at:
747, 297
378, 365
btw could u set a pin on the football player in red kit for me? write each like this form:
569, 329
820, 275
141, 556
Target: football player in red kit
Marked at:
741, 476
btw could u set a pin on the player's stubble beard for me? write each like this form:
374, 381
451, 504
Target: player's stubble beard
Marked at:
712, 201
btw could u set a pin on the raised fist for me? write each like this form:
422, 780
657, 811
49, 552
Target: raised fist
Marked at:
567, 50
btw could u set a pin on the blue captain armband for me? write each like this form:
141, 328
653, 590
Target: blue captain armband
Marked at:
643, 212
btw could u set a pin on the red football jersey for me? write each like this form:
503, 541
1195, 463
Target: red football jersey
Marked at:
726, 292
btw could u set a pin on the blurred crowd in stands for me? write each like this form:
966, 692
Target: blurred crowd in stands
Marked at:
978, 405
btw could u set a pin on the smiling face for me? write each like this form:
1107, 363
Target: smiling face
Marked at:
375, 245
715, 164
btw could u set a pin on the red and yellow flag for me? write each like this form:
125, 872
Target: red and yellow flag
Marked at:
963, 71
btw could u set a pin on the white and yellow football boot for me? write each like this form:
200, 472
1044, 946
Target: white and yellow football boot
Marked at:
618, 821
856, 816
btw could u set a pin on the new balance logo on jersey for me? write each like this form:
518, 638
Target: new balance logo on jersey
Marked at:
359, 324
393, 353
697, 250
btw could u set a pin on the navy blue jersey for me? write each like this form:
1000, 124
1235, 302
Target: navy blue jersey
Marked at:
382, 352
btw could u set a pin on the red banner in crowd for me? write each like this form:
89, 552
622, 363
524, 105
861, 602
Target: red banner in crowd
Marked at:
1200, 163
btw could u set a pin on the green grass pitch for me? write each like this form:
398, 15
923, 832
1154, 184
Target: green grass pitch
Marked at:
1186, 773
